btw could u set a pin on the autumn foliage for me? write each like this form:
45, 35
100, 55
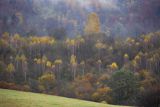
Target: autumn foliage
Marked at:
103, 69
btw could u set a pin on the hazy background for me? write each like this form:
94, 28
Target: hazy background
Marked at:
46, 17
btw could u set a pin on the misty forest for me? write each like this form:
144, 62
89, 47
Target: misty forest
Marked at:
105, 51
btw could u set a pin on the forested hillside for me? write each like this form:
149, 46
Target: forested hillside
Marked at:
104, 51
92, 66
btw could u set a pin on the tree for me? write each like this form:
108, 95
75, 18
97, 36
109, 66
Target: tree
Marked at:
126, 58
146, 78
21, 68
24, 66
82, 64
83, 87
49, 64
73, 62
99, 62
137, 61
114, 66
72, 44
10, 69
124, 85
58, 63
126, 63
99, 45
92, 24
38, 66
16, 39
48, 81
5, 35
43, 63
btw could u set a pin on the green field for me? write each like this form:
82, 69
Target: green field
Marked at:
11, 98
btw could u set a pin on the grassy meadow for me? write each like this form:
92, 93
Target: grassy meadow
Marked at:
12, 98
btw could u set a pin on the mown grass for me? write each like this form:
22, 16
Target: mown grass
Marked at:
12, 98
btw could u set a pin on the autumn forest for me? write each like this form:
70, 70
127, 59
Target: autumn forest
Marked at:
94, 65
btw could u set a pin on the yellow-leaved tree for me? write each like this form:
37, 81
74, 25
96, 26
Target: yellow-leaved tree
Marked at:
92, 24
73, 62
24, 66
10, 69
114, 66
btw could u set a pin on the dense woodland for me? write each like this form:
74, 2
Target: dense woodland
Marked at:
94, 66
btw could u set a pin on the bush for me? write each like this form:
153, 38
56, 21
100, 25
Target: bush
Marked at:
102, 94
34, 85
48, 81
124, 85
13, 86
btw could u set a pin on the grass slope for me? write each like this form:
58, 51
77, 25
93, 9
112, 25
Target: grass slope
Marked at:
11, 98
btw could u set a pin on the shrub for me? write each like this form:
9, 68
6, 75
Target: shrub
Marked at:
48, 81
34, 85
102, 94
13, 86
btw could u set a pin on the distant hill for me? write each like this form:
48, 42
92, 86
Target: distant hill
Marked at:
46, 17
